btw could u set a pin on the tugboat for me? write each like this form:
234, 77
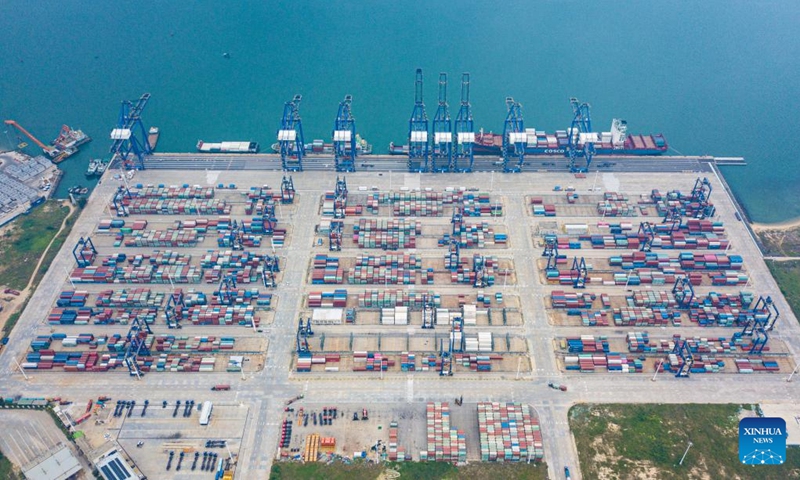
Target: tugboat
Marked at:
101, 167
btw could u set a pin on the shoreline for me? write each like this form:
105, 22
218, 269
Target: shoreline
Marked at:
781, 226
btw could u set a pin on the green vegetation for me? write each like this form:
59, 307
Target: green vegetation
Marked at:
629, 441
12, 320
787, 274
7, 469
780, 242
22, 245
407, 471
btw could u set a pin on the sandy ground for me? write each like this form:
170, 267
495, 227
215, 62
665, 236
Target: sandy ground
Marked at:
785, 225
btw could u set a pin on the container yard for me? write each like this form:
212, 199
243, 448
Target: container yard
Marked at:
396, 296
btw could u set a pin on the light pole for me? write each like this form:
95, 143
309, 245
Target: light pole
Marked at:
793, 372
687, 451
658, 369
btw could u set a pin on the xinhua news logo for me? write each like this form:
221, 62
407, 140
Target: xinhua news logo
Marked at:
762, 441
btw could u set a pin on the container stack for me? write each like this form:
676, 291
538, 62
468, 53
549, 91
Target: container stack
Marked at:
221, 315
326, 270
480, 342
385, 269
408, 362
418, 208
509, 432
465, 271
159, 206
650, 298
364, 361
445, 444
587, 343
394, 234
469, 314
571, 300
701, 364
163, 238
335, 299
595, 319
174, 191
397, 298
479, 205
613, 362
752, 365
641, 316
72, 298
394, 316
136, 297
396, 453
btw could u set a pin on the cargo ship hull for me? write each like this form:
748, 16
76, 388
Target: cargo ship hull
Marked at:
615, 142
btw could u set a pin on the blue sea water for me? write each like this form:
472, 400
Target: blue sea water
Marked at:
715, 77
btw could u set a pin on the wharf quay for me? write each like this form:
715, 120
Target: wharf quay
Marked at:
398, 163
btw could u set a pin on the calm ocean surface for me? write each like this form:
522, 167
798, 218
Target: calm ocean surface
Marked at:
715, 77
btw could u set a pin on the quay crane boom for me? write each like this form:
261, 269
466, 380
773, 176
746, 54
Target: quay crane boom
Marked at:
47, 149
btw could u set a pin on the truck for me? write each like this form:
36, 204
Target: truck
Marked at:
557, 386
11, 291
566, 473
217, 388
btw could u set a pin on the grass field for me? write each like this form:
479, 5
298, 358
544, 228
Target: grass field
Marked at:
646, 441
6, 469
407, 471
23, 244
787, 274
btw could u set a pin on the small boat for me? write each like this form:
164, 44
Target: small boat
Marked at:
78, 190
152, 137
101, 167
92, 169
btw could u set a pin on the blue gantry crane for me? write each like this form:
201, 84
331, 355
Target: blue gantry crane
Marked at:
290, 136
173, 310
340, 197
701, 193
442, 156
84, 252
335, 236
428, 312
344, 137
551, 252
130, 136
683, 291
226, 294
580, 137
137, 345
682, 350
646, 236
453, 254
119, 201
287, 190
303, 333
463, 158
514, 138
269, 267
580, 271
418, 147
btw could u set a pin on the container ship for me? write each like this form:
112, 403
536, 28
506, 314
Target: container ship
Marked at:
227, 147
615, 142
319, 146
152, 137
